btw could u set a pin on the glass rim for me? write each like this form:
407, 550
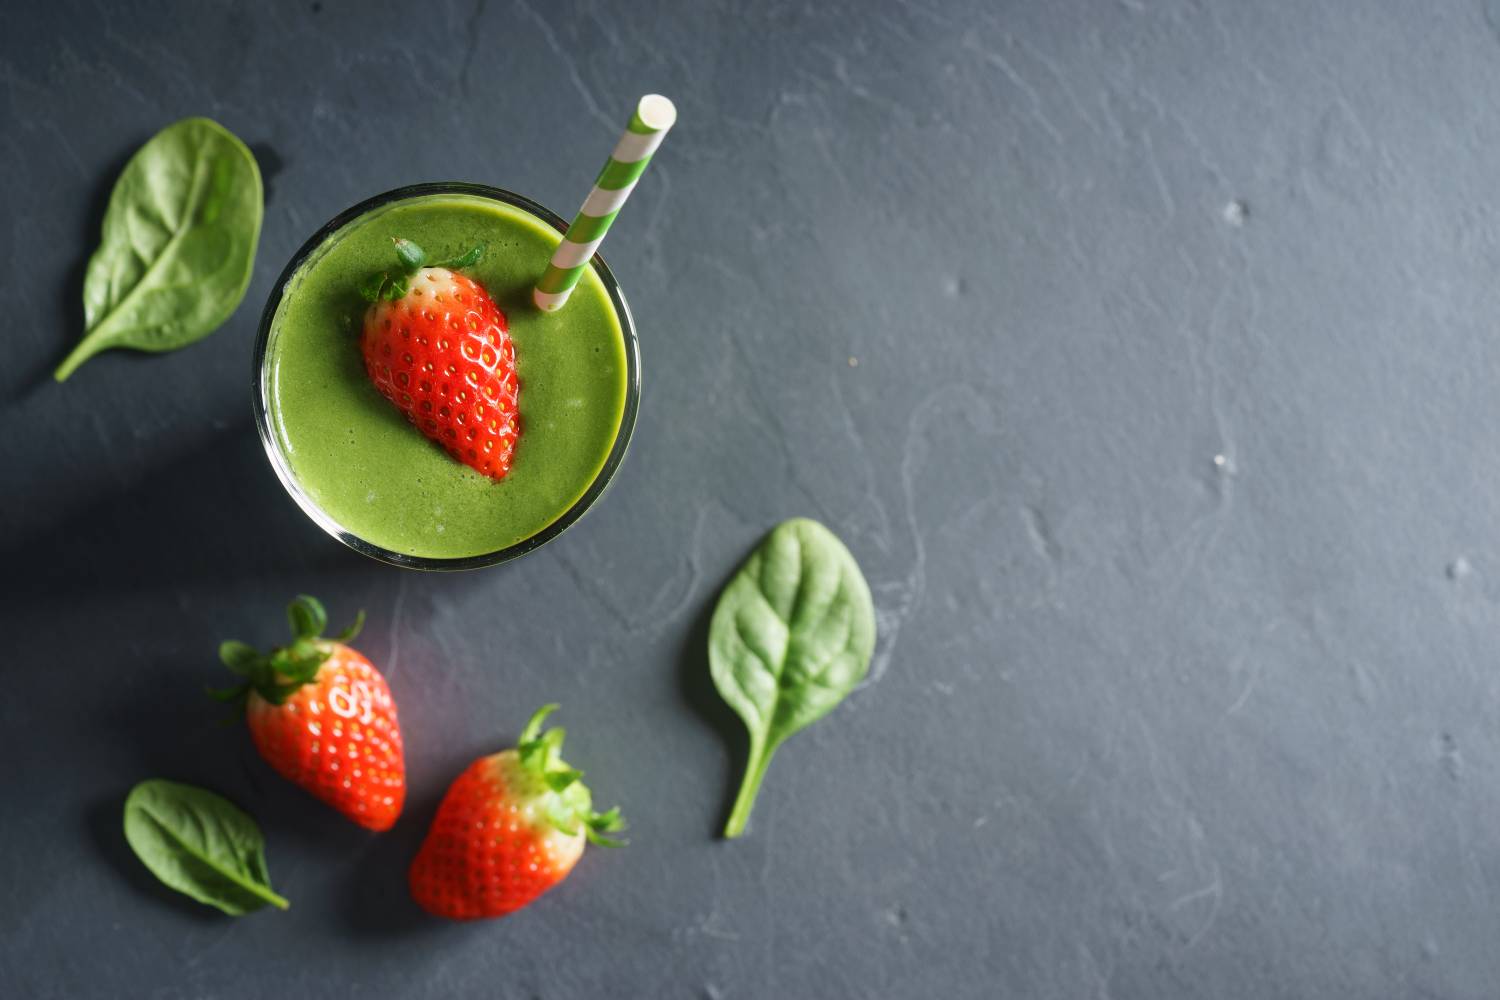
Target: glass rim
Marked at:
260, 388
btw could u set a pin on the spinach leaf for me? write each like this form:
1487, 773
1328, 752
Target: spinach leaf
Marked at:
200, 845
178, 244
791, 636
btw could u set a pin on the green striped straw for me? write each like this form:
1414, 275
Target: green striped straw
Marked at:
653, 116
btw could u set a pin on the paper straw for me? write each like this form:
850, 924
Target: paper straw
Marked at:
653, 116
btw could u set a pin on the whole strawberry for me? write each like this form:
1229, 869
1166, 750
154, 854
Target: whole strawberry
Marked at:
323, 717
511, 827
436, 345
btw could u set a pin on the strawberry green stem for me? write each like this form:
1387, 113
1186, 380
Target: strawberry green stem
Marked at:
755, 772
279, 673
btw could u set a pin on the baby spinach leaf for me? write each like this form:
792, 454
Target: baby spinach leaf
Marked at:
178, 243
791, 636
200, 845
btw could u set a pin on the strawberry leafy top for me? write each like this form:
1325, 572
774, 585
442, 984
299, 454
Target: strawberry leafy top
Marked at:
571, 807
276, 675
412, 259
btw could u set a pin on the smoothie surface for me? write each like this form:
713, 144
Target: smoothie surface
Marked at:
360, 460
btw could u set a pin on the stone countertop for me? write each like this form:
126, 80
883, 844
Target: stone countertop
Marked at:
1143, 352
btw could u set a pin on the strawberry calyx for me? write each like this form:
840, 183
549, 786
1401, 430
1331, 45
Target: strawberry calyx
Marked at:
276, 675
570, 807
412, 258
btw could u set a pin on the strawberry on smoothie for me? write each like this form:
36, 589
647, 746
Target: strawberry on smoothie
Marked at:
436, 345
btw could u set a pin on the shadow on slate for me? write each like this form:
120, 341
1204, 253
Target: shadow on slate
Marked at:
182, 526
270, 163
167, 726
376, 901
697, 687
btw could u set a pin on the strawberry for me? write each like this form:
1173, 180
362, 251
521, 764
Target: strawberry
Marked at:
323, 717
436, 345
511, 827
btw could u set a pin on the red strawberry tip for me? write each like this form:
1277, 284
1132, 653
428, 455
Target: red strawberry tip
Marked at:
276, 675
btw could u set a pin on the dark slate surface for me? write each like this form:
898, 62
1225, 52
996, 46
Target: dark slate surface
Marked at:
1144, 353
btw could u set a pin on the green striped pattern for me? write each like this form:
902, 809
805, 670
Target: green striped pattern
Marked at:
653, 116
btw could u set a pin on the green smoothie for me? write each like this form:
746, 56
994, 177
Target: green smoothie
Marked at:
359, 460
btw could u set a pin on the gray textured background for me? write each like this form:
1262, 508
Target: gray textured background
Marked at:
1170, 452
